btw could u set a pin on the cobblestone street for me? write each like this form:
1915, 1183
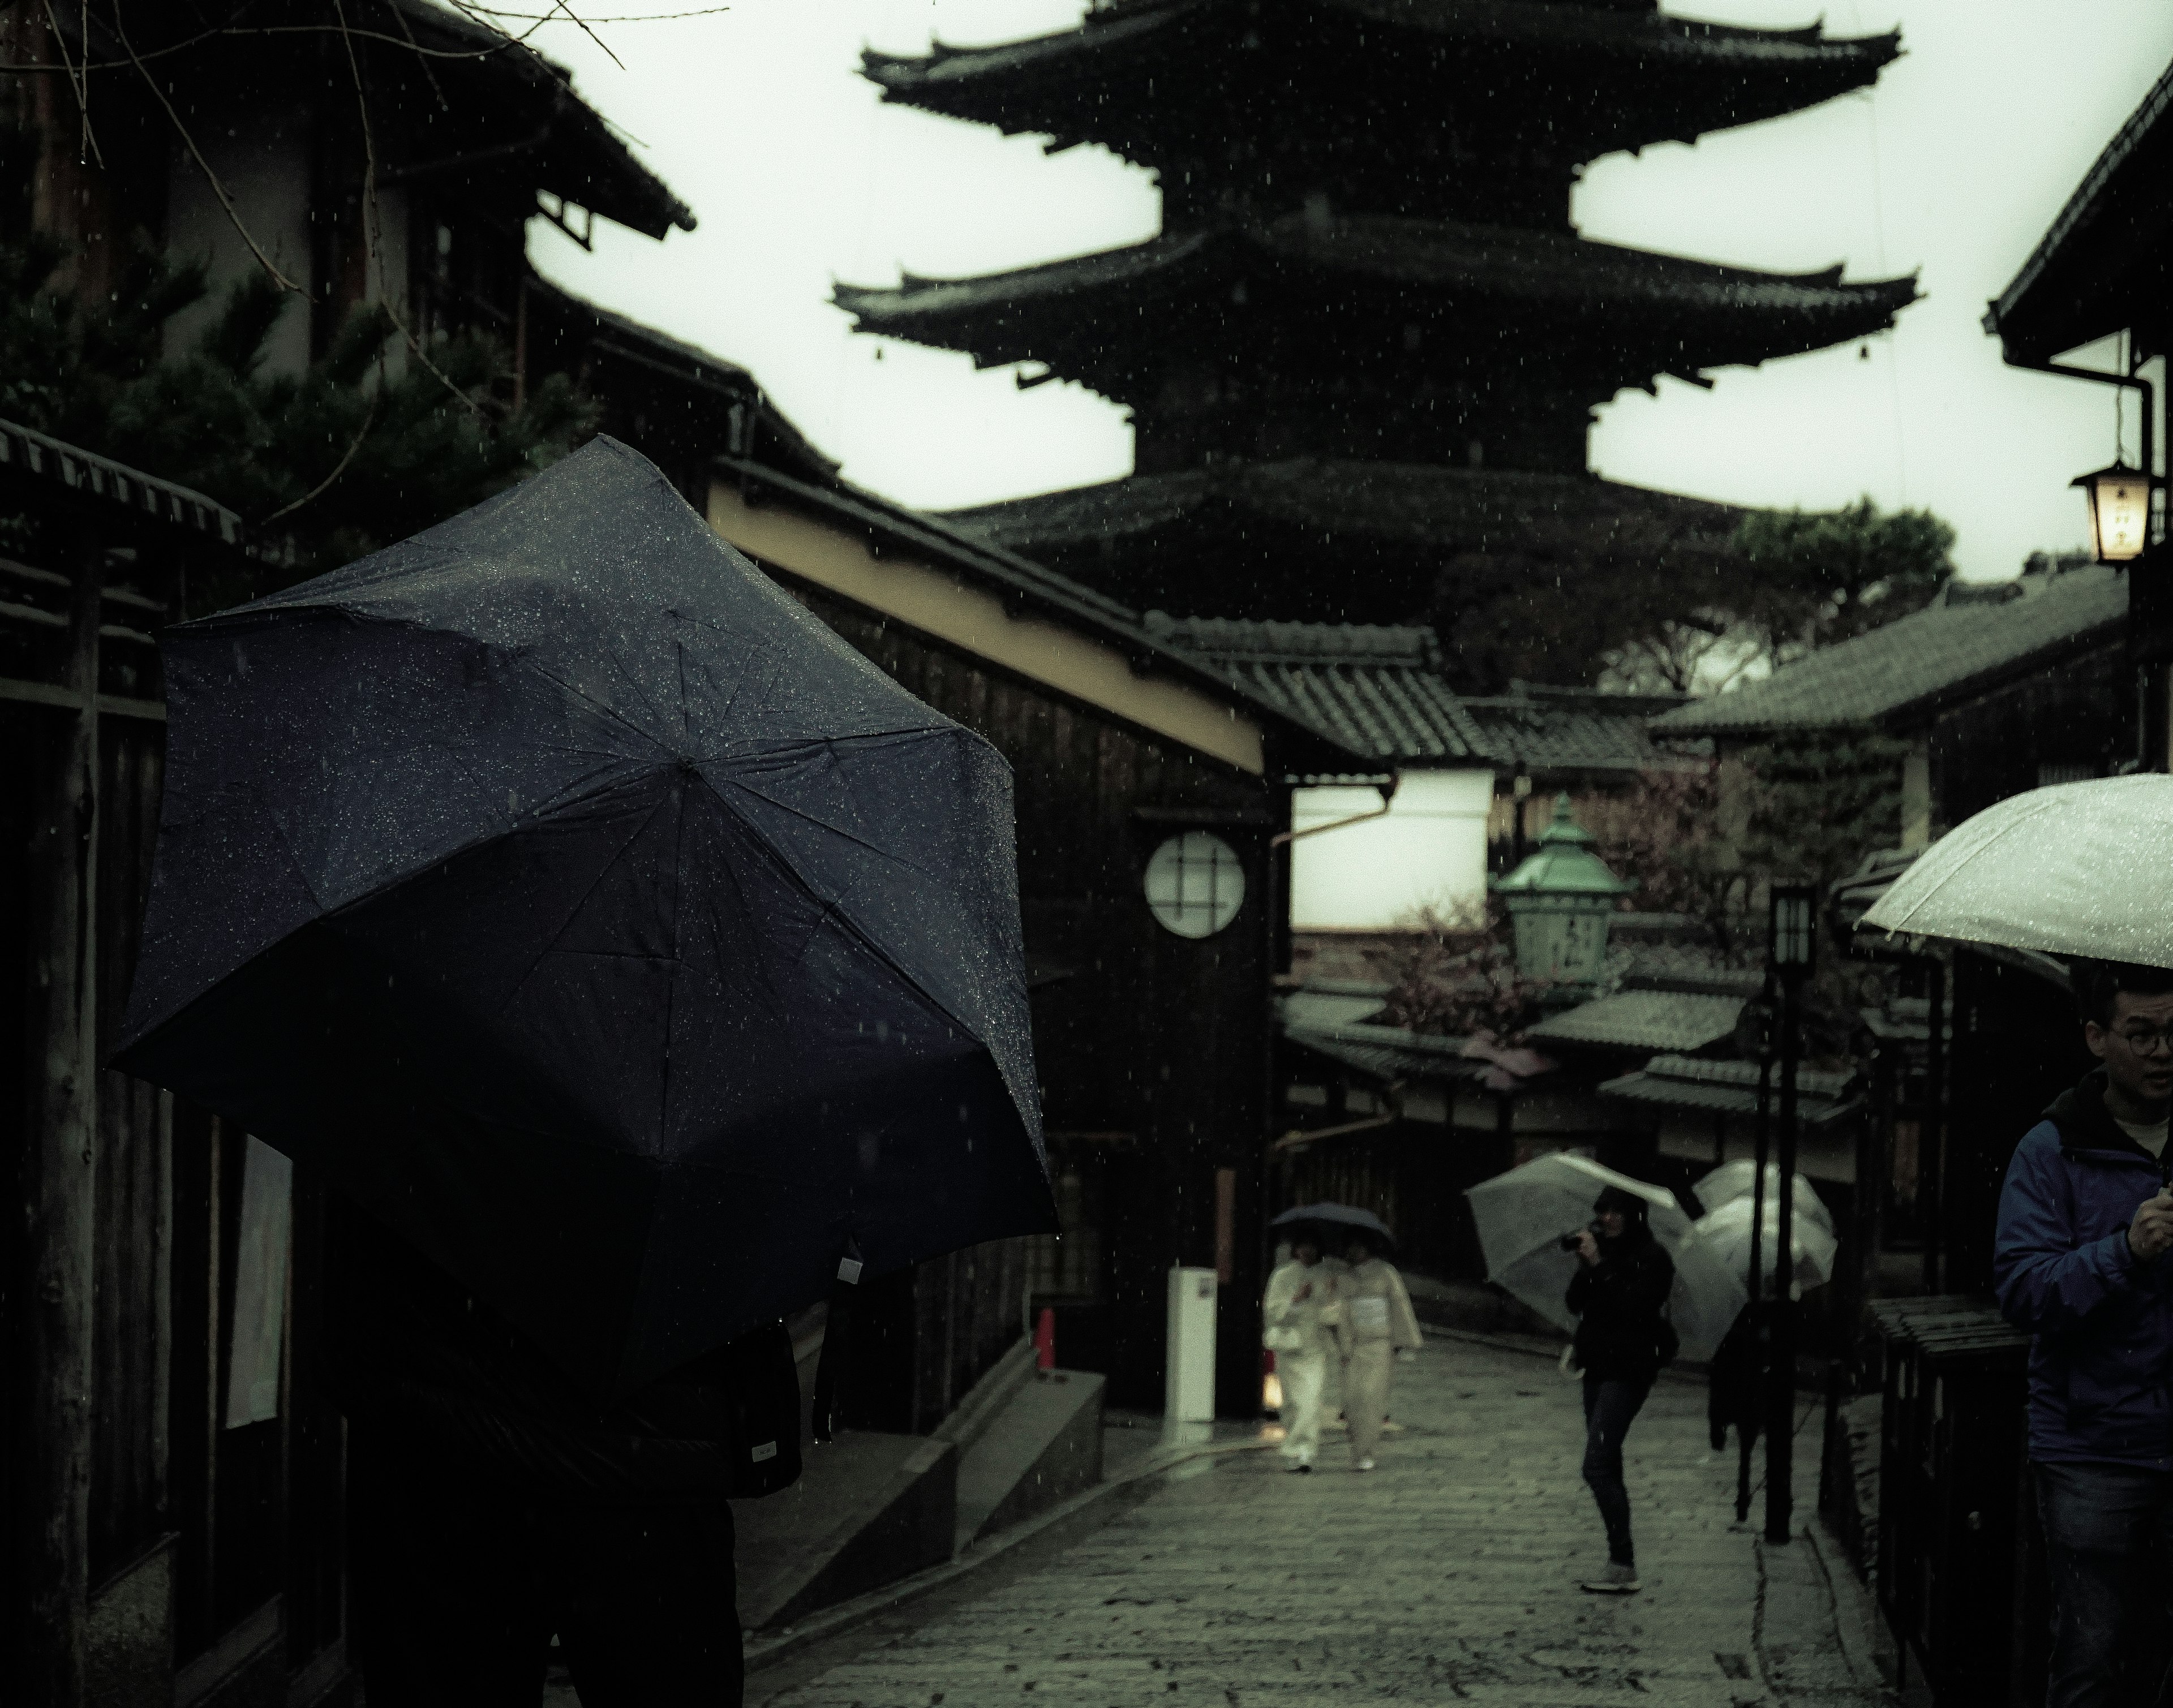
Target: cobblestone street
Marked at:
1447, 1574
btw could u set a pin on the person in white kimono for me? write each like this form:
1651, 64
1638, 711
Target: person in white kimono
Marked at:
1292, 1328
1373, 1322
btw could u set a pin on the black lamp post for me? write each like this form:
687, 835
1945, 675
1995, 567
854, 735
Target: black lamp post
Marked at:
1794, 945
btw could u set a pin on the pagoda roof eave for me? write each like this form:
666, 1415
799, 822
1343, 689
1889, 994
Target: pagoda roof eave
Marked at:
1422, 505
1048, 84
1006, 316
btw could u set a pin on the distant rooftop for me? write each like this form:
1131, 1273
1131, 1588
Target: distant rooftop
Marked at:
1673, 1020
1542, 731
1911, 667
1377, 689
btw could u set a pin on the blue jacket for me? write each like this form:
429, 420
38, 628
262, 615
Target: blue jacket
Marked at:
2101, 1366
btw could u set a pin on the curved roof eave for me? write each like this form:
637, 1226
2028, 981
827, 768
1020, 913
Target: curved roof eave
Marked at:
1501, 264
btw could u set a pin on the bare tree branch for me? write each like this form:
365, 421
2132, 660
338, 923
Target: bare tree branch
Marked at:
373, 245
369, 421
203, 166
78, 81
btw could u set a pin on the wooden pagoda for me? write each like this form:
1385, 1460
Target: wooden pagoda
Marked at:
1368, 327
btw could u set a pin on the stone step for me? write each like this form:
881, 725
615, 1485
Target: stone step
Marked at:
1044, 1446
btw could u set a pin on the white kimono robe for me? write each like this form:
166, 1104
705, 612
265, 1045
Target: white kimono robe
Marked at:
1373, 1320
1303, 1368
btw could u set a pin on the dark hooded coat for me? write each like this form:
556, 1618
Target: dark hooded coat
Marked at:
2101, 1368
1620, 1303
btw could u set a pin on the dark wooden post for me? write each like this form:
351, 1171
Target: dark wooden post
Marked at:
60, 1165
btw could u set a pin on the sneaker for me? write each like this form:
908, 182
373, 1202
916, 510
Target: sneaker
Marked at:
1363, 1465
1618, 1579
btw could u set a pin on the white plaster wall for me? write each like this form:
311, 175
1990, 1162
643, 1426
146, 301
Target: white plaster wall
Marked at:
1430, 852
265, 166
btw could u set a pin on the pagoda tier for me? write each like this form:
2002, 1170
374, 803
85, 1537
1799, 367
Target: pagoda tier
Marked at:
1480, 109
1374, 338
1329, 542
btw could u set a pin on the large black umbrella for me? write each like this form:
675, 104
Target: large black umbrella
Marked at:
570, 895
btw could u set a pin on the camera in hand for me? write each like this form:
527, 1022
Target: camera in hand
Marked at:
1571, 1241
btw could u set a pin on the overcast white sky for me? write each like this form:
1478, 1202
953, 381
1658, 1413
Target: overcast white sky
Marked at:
1955, 166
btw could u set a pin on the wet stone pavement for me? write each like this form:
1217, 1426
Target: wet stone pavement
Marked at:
1448, 1574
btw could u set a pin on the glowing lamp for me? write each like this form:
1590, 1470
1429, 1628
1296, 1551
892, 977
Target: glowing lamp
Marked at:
2120, 512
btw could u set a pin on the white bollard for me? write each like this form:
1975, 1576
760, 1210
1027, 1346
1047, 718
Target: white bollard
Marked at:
1189, 1387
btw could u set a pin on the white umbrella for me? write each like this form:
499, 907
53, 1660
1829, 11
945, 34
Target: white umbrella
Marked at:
1524, 1214
1733, 1180
2078, 869
1726, 1232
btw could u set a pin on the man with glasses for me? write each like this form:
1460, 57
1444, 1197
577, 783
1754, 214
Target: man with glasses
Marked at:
2085, 1220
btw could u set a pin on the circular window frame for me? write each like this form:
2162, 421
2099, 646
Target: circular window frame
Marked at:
1178, 872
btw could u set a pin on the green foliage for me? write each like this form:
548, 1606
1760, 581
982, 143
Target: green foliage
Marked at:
1652, 608
361, 449
1819, 801
1826, 576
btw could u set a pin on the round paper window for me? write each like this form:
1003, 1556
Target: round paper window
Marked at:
1195, 883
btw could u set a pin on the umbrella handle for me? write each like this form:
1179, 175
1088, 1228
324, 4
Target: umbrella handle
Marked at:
837, 1329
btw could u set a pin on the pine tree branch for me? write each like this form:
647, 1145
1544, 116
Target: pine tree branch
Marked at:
339, 468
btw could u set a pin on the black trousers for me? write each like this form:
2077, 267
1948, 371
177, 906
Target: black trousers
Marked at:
460, 1584
1610, 1408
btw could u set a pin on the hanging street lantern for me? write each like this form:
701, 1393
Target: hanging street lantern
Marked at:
2120, 512
1560, 902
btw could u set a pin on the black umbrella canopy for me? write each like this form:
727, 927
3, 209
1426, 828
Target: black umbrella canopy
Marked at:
1341, 1217
586, 908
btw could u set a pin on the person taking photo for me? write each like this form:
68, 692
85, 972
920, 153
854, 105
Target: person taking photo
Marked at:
1619, 1296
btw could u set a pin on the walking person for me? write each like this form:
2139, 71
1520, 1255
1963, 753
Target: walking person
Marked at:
1294, 1328
1374, 1324
1619, 1296
493, 1503
2085, 1220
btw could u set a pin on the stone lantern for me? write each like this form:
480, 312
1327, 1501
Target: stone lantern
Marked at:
1560, 901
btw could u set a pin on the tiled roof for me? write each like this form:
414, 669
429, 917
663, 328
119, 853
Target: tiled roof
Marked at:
1424, 503
1644, 1019
1729, 314
1378, 690
1937, 654
2071, 290
25, 452
1374, 690
1312, 1007
1730, 1088
1390, 1053
581, 156
1608, 77
1545, 732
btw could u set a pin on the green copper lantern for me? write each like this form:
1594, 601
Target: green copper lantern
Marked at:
1559, 901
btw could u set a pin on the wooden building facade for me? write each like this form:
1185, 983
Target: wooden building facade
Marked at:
173, 1489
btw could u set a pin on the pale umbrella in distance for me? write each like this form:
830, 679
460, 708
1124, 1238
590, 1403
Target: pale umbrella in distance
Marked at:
1727, 1194
1524, 1216
1739, 1179
2077, 869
